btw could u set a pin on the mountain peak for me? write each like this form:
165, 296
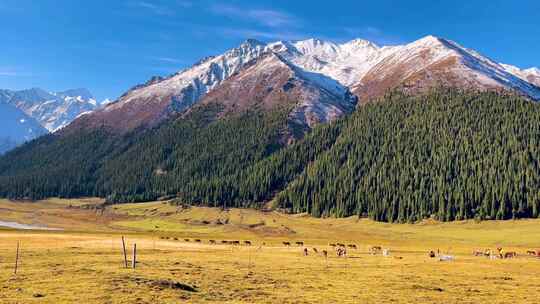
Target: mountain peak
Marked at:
358, 43
533, 70
82, 92
253, 43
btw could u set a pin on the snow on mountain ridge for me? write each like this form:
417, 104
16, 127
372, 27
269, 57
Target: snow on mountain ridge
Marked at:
52, 110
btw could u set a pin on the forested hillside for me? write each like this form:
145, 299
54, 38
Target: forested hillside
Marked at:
451, 155
447, 154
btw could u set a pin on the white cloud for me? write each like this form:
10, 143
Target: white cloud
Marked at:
159, 9
251, 33
10, 72
168, 59
266, 17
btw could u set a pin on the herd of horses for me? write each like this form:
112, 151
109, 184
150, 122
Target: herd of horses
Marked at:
501, 254
341, 249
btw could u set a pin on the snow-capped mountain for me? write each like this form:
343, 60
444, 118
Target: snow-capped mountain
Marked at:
52, 110
370, 70
357, 66
16, 127
531, 75
271, 81
148, 104
27, 114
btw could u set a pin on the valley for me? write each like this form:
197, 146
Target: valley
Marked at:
85, 258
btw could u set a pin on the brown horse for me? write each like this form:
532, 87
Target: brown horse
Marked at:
213, 242
299, 243
352, 246
510, 254
287, 244
247, 243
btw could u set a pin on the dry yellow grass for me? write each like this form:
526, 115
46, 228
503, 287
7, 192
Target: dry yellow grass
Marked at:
84, 263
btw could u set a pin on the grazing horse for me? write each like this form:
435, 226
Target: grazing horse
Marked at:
352, 246
247, 243
224, 242
186, 240
287, 244
213, 242
340, 245
299, 243
341, 251
197, 241
236, 242
176, 239
509, 255
375, 249
315, 250
332, 245
531, 252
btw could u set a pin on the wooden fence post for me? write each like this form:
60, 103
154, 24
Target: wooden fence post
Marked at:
134, 262
125, 254
17, 258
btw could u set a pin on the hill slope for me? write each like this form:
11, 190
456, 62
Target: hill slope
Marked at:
403, 158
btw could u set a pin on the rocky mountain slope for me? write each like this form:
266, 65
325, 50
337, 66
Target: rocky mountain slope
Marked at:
369, 70
360, 66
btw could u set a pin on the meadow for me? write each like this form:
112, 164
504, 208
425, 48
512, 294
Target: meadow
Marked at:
83, 262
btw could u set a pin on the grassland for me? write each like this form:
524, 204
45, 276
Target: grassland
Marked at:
83, 262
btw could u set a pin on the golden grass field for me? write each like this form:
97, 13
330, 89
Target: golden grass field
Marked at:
83, 263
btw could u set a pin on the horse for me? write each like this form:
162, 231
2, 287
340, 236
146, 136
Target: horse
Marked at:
247, 243
509, 255
287, 244
299, 243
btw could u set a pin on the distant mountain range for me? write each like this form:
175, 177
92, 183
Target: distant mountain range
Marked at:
27, 114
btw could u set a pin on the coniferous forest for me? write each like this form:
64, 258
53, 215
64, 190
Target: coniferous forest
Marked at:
446, 154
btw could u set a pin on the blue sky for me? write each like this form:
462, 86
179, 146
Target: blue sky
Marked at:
109, 46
